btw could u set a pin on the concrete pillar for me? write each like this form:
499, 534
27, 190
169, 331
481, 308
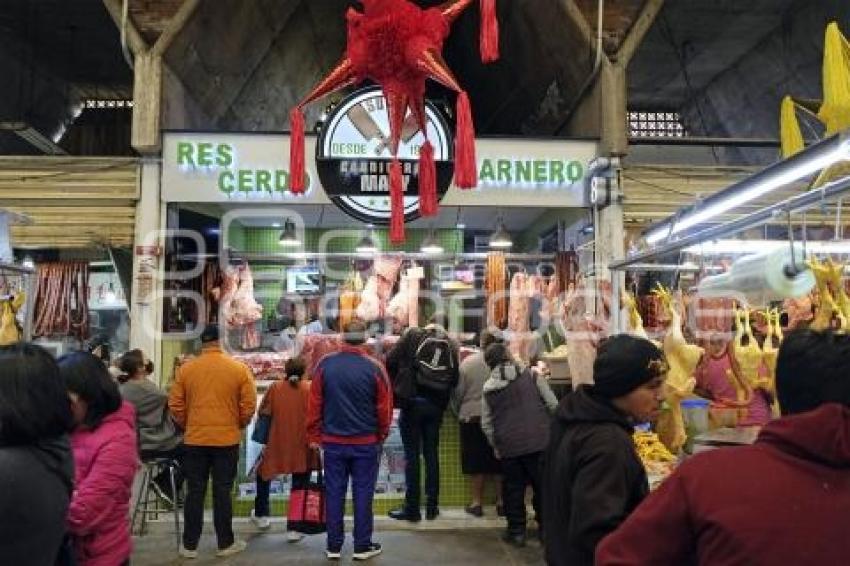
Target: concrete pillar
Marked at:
146, 307
610, 235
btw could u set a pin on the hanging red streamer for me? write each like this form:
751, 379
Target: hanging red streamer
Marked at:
398, 44
296, 151
489, 42
396, 204
466, 174
427, 181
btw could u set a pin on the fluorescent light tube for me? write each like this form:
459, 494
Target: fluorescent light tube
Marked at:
769, 183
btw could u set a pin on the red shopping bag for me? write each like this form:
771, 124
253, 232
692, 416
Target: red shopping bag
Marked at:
307, 507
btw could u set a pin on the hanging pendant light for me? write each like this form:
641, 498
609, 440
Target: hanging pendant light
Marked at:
367, 244
431, 245
288, 237
500, 239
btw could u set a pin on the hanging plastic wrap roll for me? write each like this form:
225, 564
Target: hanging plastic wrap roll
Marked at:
763, 277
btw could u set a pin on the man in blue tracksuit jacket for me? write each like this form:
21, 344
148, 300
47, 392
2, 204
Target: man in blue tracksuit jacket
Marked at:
349, 415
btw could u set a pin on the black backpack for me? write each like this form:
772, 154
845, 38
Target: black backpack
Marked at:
434, 362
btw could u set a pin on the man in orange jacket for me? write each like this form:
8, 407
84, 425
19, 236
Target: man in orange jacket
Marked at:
213, 399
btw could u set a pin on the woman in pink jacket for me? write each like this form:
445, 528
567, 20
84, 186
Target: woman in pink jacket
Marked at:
105, 457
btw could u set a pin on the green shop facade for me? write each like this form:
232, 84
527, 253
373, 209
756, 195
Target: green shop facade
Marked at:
226, 196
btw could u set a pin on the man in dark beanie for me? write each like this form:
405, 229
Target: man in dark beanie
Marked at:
592, 477
783, 500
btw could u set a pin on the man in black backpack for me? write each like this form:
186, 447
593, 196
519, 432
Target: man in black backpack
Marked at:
424, 369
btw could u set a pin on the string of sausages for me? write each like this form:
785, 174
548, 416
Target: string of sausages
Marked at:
61, 300
495, 287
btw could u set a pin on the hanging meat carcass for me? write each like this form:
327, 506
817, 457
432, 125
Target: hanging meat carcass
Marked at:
379, 287
584, 331
683, 359
237, 306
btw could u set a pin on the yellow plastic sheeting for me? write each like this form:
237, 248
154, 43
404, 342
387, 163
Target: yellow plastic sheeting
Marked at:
833, 112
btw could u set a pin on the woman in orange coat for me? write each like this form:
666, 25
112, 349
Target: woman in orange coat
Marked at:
286, 451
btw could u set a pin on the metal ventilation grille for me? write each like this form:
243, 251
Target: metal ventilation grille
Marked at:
656, 125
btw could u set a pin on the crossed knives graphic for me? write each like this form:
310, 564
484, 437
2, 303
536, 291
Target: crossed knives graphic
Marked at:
370, 130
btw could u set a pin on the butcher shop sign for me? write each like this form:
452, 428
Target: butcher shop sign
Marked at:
350, 169
353, 156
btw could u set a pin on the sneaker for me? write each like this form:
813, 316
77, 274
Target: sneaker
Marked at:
186, 553
294, 536
475, 510
403, 514
262, 523
333, 554
235, 548
374, 549
432, 513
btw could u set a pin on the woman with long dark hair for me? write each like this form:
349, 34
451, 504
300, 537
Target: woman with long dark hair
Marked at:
36, 465
105, 457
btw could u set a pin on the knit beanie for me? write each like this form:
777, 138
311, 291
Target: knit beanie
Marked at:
624, 363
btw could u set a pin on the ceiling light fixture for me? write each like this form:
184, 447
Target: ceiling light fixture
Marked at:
501, 239
802, 165
288, 237
367, 244
740, 247
431, 245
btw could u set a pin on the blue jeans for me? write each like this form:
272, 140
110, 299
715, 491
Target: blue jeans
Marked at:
360, 463
419, 425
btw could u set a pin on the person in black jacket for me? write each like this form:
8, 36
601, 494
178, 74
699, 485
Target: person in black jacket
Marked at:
36, 463
593, 478
422, 402
515, 417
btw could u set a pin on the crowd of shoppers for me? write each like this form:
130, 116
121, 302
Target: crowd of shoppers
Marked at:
71, 440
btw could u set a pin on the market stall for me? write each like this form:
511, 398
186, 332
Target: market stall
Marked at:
719, 299
281, 273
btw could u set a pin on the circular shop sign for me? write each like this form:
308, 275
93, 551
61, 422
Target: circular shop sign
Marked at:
353, 156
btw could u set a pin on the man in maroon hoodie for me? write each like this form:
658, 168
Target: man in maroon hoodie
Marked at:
784, 500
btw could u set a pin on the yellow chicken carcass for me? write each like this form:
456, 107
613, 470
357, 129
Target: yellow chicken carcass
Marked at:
10, 333
635, 320
772, 342
683, 359
826, 306
749, 357
770, 348
841, 305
